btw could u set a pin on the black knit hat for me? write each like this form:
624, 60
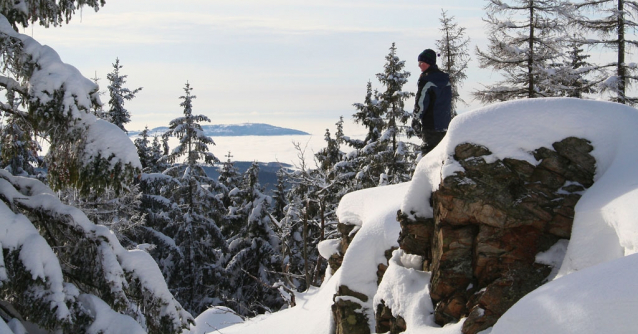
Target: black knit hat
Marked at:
428, 56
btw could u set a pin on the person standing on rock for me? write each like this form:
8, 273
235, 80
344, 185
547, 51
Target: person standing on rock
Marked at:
433, 102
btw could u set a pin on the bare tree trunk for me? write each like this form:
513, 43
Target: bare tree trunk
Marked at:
305, 246
622, 75
530, 59
317, 277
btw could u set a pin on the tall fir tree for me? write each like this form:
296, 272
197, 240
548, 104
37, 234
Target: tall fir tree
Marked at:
612, 21
392, 103
229, 178
524, 38
117, 114
193, 144
194, 228
384, 157
455, 57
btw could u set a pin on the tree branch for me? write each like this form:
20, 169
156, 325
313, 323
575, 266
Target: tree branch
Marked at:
292, 302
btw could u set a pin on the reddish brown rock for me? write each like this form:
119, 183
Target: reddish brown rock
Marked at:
490, 221
386, 322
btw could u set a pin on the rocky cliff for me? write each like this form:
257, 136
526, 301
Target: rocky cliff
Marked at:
492, 220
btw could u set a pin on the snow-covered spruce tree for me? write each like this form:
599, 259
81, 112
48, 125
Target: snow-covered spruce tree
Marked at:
332, 180
344, 170
194, 228
59, 270
453, 46
336, 168
254, 257
291, 233
367, 174
392, 98
388, 159
369, 115
574, 76
229, 178
117, 114
328, 156
524, 37
612, 21
144, 150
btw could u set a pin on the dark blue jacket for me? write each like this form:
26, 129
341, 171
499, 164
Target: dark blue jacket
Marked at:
433, 101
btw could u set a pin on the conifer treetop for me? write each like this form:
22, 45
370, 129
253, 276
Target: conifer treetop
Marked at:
193, 143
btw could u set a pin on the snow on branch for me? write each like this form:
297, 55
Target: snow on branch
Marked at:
48, 74
88, 259
59, 103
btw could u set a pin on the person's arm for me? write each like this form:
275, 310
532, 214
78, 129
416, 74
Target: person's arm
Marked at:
424, 99
418, 110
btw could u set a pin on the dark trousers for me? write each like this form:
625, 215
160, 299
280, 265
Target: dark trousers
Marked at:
431, 138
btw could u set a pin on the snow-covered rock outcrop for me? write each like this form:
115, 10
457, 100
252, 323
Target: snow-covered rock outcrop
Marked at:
603, 237
499, 231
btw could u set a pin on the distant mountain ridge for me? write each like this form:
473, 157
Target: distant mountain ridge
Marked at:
234, 130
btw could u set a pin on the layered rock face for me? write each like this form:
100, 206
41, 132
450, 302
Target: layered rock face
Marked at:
490, 221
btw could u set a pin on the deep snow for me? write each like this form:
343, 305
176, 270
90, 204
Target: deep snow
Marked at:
596, 289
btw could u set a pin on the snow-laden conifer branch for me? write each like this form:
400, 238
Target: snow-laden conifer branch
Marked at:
59, 100
45, 12
87, 259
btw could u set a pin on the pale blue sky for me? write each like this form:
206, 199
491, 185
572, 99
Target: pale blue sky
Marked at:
283, 62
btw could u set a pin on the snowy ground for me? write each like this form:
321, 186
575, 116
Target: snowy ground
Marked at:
596, 289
